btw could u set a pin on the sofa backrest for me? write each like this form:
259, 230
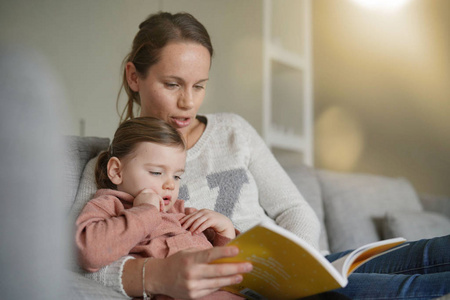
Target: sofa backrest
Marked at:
79, 151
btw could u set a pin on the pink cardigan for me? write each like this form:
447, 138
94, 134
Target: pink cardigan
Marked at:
109, 227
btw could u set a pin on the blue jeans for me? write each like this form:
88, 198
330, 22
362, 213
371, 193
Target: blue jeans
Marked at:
418, 271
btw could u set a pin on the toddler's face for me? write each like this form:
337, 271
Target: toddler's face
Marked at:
156, 167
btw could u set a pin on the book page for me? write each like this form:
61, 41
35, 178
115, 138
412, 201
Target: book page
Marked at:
281, 268
350, 262
371, 253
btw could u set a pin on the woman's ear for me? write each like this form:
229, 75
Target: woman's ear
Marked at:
132, 76
114, 169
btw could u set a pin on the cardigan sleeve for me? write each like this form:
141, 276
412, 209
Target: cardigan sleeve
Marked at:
278, 195
106, 231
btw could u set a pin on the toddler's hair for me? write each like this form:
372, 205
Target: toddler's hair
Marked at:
126, 138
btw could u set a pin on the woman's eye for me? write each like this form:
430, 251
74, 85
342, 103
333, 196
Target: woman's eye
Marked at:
171, 85
199, 87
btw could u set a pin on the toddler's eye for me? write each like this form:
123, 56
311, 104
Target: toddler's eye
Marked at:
177, 177
155, 173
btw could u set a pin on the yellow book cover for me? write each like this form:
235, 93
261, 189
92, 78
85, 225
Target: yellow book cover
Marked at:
286, 267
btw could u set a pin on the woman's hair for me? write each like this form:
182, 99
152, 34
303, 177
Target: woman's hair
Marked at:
154, 34
127, 137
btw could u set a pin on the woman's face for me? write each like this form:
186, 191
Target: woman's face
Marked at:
174, 88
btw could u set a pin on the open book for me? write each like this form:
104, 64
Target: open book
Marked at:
286, 267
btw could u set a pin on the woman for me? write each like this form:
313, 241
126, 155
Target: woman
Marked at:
229, 169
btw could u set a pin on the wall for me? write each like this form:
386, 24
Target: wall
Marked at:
382, 97
86, 41
382, 90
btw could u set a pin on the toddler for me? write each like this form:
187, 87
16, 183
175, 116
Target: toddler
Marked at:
136, 210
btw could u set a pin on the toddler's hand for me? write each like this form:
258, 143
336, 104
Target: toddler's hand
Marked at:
203, 219
150, 197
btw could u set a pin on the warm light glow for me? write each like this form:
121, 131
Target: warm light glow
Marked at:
339, 139
383, 5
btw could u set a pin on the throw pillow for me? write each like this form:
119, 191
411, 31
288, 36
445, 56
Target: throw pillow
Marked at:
353, 203
415, 225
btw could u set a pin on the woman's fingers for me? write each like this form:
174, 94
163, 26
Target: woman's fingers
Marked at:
208, 277
208, 270
224, 274
210, 255
190, 273
207, 286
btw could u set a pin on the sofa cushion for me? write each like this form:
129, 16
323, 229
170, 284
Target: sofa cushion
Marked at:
307, 183
415, 225
353, 203
436, 203
80, 150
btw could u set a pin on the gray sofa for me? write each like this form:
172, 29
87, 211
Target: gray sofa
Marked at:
354, 209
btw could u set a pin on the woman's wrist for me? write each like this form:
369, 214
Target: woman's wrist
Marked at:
151, 283
145, 294
132, 280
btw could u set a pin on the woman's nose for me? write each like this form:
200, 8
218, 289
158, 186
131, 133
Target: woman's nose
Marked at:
186, 100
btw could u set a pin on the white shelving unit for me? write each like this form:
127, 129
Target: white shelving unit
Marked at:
287, 77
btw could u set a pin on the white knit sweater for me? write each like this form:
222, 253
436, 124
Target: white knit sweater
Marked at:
232, 171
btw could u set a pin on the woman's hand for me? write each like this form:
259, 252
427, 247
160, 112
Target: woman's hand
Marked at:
188, 274
203, 219
150, 197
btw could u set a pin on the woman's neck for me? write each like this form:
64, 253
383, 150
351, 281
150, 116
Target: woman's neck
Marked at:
194, 133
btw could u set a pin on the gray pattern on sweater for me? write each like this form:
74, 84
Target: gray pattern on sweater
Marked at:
229, 184
183, 194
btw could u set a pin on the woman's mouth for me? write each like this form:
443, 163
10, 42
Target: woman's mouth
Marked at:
181, 122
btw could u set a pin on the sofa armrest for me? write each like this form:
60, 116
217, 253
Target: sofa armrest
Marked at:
433, 203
